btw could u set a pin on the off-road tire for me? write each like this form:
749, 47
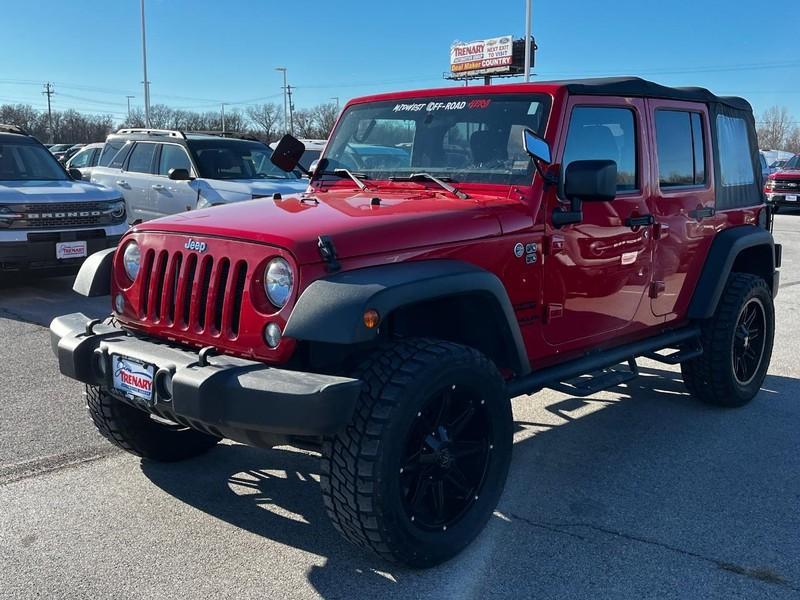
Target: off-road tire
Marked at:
711, 377
360, 480
136, 432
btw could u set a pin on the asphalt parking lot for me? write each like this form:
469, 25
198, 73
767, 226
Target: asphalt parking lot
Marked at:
635, 493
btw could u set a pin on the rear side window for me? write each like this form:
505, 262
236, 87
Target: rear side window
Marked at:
736, 163
604, 133
680, 147
119, 157
173, 157
110, 150
141, 158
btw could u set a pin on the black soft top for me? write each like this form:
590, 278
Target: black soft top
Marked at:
638, 87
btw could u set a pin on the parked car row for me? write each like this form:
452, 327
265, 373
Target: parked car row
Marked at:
54, 212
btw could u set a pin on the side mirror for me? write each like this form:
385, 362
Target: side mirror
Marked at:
75, 174
591, 180
536, 146
287, 153
586, 181
179, 175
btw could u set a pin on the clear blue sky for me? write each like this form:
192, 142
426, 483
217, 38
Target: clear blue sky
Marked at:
203, 52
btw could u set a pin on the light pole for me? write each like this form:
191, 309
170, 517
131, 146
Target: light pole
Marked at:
144, 67
129, 107
528, 16
336, 98
223, 116
285, 101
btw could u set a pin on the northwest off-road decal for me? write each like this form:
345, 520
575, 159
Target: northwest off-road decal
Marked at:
475, 104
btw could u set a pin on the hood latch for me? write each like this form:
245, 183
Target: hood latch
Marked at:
328, 253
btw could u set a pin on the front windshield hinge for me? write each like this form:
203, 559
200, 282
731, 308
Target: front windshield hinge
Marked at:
328, 253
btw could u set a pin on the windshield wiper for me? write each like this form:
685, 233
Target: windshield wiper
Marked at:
440, 182
346, 173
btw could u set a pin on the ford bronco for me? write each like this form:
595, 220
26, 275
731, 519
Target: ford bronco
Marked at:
456, 248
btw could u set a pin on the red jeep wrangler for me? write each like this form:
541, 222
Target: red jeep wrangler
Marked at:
455, 248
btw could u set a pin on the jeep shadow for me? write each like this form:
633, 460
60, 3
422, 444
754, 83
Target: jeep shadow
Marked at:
604, 480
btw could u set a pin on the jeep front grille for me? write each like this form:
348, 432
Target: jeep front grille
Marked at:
194, 292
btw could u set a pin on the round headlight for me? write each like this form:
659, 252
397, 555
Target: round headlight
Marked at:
131, 260
117, 209
278, 281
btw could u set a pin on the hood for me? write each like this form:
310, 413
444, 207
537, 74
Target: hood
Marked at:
785, 174
54, 191
235, 190
401, 221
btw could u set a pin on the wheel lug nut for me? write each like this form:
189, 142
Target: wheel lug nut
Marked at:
491, 446
444, 528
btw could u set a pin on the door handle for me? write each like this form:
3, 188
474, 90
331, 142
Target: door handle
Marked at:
702, 212
640, 221
157, 186
122, 183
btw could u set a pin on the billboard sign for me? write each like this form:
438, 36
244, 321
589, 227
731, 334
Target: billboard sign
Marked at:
493, 55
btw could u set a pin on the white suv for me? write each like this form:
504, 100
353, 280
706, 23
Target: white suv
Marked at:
47, 218
163, 172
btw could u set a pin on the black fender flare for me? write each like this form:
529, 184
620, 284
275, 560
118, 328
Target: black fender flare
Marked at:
727, 245
94, 276
331, 309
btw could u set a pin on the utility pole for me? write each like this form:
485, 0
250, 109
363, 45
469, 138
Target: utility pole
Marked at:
144, 67
528, 17
291, 109
223, 117
285, 100
49, 91
129, 107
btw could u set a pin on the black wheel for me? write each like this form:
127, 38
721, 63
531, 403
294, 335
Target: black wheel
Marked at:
417, 474
737, 345
135, 431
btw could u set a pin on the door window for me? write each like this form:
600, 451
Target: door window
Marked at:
81, 159
680, 148
604, 133
173, 157
141, 158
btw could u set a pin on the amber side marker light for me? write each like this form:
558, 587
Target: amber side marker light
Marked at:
371, 318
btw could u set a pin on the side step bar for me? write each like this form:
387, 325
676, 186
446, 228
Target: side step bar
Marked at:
603, 359
598, 381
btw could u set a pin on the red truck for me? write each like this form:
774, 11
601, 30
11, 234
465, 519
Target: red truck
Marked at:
455, 248
782, 188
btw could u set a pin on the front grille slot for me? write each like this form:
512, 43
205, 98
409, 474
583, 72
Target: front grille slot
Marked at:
191, 291
238, 292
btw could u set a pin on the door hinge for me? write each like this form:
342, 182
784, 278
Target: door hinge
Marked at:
657, 288
553, 311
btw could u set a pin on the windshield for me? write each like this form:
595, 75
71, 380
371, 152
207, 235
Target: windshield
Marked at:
235, 159
110, 150
28, 162
792, 163
462, 138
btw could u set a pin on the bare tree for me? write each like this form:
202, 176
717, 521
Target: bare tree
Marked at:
266, 117
774, 128
792, 143
325, 116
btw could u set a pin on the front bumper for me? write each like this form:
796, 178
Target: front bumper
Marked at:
37, 249
218, 394
779, 198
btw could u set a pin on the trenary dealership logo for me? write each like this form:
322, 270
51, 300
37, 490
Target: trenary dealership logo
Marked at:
195, 245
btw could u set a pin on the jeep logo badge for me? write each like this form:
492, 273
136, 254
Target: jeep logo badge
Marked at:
193, 245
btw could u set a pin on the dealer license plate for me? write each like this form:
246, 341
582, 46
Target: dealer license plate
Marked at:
71, 249
133, 378
791, 198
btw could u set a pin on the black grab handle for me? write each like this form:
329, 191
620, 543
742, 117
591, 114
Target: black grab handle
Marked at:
641, 221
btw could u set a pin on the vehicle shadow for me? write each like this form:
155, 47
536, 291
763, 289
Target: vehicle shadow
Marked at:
39, 297
639, 481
